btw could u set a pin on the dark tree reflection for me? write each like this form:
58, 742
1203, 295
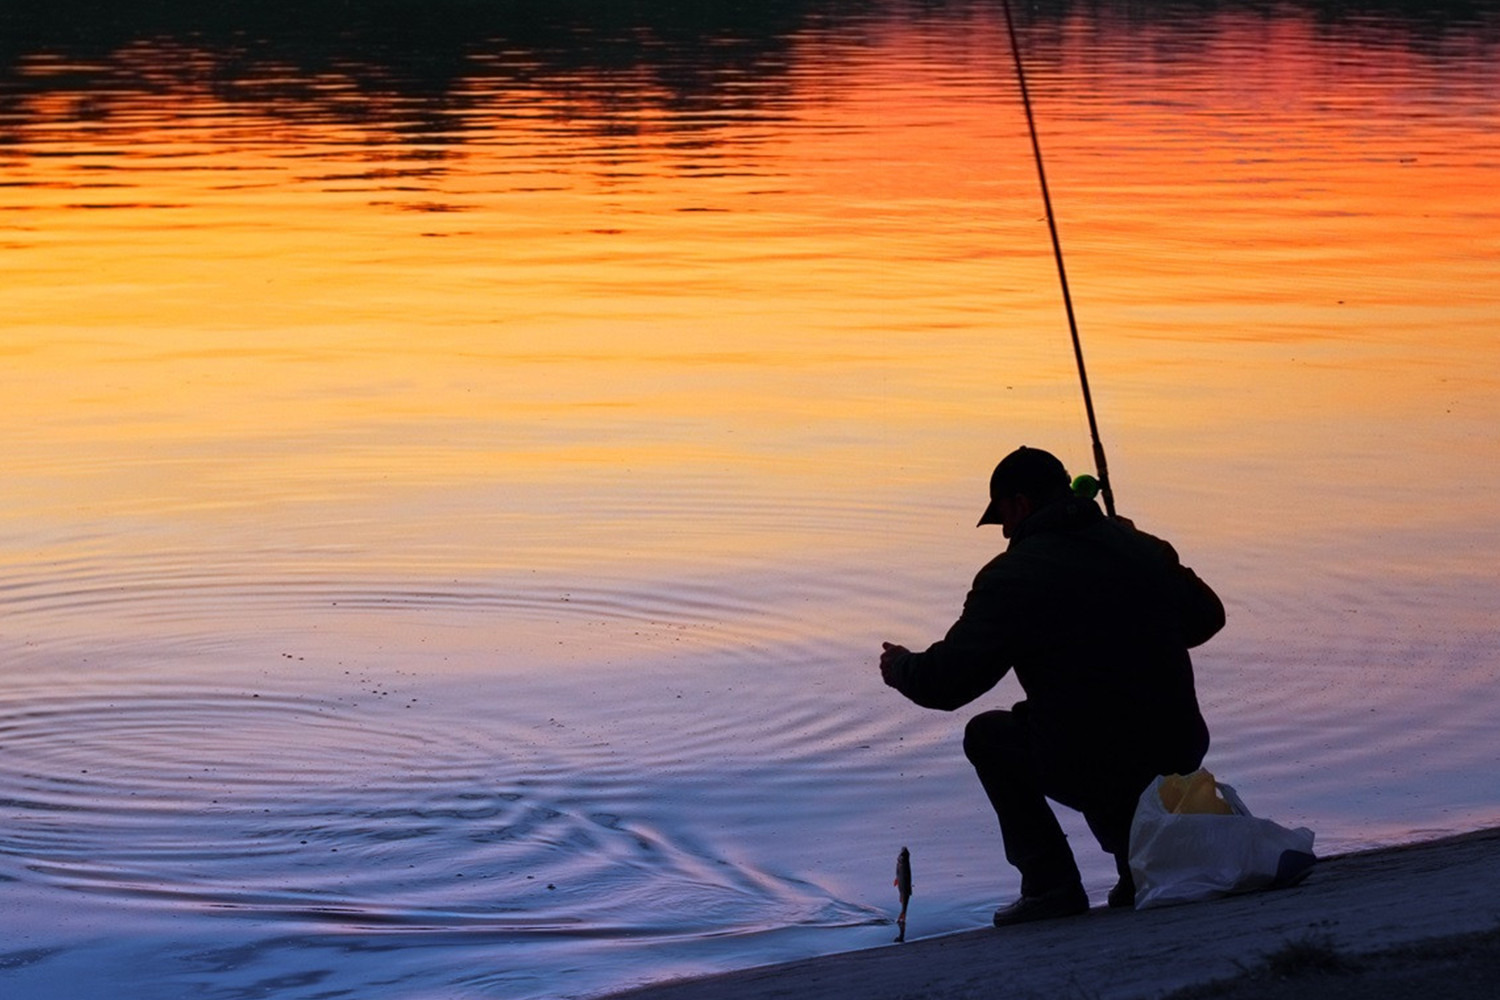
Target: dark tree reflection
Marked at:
613, 56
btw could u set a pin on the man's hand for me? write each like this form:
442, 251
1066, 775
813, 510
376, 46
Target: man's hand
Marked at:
890, 653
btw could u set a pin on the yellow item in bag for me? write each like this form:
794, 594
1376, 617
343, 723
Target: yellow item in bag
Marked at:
1193, 793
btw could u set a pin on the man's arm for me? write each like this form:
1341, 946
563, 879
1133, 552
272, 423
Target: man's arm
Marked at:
960, 667
1200, 613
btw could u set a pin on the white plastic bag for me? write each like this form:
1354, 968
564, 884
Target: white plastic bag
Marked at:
1183, 857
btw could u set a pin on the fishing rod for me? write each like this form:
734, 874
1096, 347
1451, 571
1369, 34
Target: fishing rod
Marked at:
1100, 466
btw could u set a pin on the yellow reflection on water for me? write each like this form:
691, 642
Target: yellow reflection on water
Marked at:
236, 325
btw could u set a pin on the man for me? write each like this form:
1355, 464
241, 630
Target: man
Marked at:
1096, 618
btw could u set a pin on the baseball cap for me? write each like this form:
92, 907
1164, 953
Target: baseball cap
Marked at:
1036, 473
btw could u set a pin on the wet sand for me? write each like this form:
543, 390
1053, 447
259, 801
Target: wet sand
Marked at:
1380, 901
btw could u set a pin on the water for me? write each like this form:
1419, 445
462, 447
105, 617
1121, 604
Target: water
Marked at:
461, 462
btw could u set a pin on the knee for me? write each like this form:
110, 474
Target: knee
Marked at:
990, 735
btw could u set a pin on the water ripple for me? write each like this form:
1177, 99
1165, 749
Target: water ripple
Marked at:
304, 810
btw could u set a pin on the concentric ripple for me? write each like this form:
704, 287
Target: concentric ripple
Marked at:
313, 810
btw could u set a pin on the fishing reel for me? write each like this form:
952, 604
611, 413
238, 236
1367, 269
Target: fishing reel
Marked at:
1085, 487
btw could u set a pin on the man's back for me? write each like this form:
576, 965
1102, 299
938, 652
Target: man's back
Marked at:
1098, 619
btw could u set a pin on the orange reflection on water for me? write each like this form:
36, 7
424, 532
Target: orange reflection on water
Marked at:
1277, 249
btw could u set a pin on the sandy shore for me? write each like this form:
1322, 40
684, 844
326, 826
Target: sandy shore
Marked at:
1352, 905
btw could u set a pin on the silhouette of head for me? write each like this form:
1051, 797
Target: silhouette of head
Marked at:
1029, 473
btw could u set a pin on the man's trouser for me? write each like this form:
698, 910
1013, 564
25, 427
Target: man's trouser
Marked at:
1003, 751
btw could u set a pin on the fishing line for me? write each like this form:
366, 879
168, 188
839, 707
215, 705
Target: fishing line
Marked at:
1100, 466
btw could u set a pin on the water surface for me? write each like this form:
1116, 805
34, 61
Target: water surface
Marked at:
461, 465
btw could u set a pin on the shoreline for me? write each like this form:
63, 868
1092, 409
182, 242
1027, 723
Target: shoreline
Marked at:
1378, 902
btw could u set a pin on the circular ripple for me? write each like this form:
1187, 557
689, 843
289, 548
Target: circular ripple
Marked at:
314, 810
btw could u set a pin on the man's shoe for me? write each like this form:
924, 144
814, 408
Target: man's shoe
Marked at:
1069, 901
1123, 894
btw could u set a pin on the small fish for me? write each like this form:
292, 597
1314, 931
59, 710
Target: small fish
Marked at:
903, 888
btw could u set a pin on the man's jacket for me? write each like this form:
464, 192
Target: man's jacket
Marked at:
1096, 619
